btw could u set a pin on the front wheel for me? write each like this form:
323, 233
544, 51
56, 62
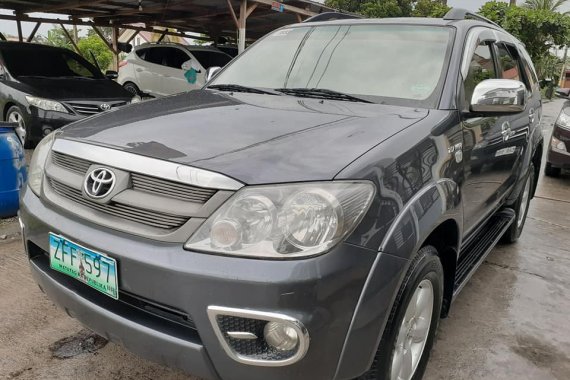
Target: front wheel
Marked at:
551, 171
132, 88
404, 350
521, 209
15, 115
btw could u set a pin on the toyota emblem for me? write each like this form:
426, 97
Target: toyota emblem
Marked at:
105, 107
99, 183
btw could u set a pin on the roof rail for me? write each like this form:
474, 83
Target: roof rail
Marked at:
464, 14
329, 16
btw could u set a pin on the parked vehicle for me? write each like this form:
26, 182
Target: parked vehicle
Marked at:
157, 69
558, 156
310, 214
43, 88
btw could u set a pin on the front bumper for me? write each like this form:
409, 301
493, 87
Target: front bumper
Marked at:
558, 159
41, 122
322, 293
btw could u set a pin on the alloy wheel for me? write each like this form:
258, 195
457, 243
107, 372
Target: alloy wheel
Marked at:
413, 333
16, 117
524, 203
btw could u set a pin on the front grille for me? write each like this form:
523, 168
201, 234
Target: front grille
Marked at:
170, 189
141, 182
257, 349
74, 164
88, 109
134, 214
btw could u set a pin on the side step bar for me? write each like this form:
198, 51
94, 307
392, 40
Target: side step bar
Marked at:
477, 248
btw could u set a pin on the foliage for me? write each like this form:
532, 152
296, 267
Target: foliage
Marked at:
548, 66
392, 8
94, 44
549, 5
538, 29
57, 37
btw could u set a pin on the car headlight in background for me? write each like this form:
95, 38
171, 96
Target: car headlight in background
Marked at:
563, 119
37, 163
284, 221
46, 104
558, 144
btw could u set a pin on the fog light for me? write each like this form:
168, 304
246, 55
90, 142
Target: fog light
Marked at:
280, 336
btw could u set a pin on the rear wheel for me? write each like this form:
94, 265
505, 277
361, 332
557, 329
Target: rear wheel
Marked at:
551, 171
132, 88
404, 350
521, 209
15, 115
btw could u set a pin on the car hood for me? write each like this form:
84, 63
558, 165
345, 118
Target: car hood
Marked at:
71, 88
250, 137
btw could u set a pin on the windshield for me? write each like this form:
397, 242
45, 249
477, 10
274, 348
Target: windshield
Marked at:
45, 62
211, 58
395, 64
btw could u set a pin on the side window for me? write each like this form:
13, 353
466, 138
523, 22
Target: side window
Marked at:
508, 64
481, 67
142, 53
528, 67
155, 55
175, 58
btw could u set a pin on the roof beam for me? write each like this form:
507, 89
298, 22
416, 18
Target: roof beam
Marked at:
32, 35
288, 8
70, 39
65, 5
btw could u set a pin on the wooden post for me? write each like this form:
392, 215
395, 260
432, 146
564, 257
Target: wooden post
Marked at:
70, 39
115, 43
20, 37
33, 34
242, 24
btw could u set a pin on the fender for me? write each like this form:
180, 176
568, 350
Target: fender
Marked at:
437, 202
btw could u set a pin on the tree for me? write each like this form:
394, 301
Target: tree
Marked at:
549, 5
539, 29
57, 37
392, 8
94, 44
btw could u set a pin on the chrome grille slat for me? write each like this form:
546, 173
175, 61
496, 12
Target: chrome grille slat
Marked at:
141, 182
135, 214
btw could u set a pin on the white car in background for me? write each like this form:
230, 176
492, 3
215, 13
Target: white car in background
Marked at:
159, 69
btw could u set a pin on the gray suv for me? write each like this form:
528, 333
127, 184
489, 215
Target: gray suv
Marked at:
312, 212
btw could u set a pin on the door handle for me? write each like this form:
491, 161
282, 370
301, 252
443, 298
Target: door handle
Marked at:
531, 115
506, 131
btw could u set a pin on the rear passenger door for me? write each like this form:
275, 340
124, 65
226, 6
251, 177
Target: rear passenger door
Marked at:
149, 72
173, 79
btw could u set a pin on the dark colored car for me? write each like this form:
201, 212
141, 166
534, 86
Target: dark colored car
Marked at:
310, 214
558, 157
43, 88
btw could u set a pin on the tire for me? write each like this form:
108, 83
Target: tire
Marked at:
15, 115
132, 88
551, 171
521, 209
425, 275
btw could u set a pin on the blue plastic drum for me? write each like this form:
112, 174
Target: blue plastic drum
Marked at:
13, 172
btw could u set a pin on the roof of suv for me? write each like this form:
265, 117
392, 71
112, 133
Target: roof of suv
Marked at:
466, 23
186, 47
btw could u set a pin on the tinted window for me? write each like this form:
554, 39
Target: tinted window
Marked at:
175, 57
481, 67
142, 53
211, 58
45, 62
398, 64
155, 55
508, 64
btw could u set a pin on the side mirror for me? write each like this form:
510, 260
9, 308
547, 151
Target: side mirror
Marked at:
111, 74
125, 47
498, 96
211, 72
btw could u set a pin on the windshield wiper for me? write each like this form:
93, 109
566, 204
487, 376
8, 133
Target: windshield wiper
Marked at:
238, 88
321, 93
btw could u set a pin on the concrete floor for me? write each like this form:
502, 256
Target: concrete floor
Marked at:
510, 321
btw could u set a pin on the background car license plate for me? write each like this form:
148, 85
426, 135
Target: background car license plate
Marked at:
90, 267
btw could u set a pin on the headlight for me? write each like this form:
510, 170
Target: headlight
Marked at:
38, 162
46, 104
136, 99
284, 221
563, 120
558, 144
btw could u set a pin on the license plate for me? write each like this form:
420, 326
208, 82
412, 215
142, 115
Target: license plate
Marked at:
92, 268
